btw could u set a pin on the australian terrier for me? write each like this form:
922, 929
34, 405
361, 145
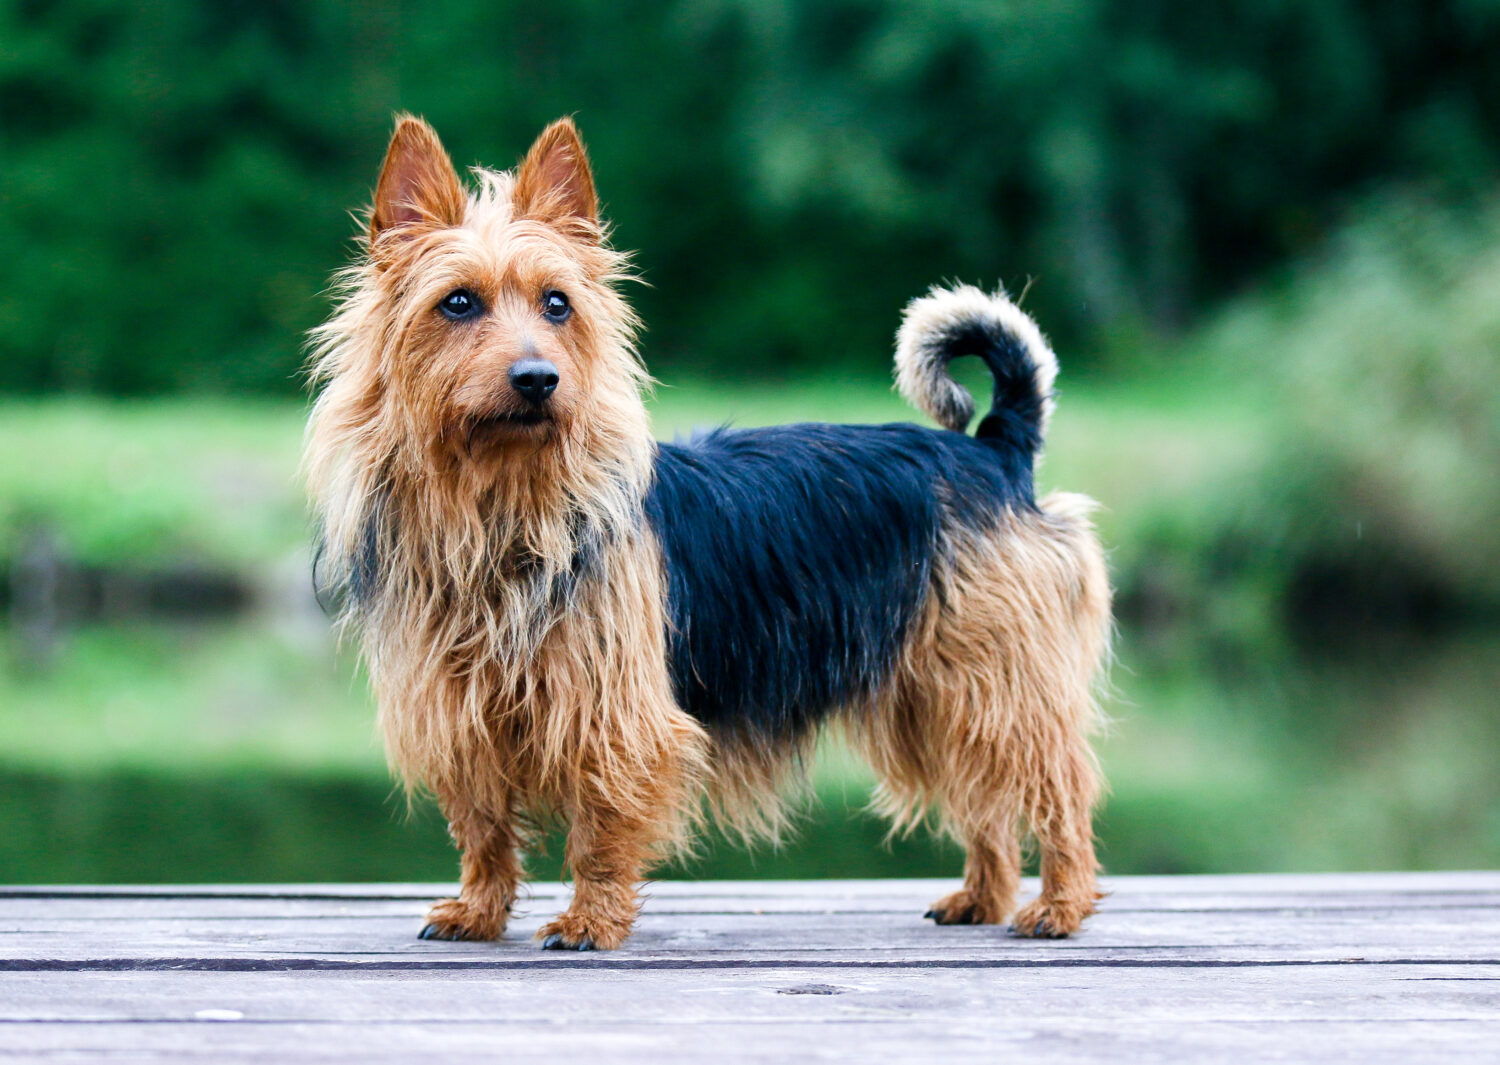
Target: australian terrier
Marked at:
564, 618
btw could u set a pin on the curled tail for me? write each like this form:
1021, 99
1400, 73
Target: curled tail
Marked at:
951, 322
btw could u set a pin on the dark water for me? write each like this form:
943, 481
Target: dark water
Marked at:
125, 827
242, 753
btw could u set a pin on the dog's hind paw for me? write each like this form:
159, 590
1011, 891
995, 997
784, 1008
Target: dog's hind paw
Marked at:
570, 931
1049, 920
556, 941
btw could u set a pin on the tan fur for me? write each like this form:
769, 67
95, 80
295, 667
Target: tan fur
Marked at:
987, 723
512, 690
493, 695
921, 366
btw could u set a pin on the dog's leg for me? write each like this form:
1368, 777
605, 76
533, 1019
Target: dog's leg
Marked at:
918, 742
1062, 824
608, 851
917, 750
992, 874
491, 873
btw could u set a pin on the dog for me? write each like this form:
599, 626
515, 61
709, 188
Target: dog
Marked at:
564, 619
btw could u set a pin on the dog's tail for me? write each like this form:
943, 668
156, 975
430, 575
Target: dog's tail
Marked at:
951, 322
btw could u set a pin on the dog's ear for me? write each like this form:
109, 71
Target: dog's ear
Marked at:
418, 186
554, 183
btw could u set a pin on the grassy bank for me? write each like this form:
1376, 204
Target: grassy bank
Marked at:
126, 482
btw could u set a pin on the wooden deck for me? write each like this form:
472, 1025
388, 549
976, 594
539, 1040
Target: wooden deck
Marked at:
1367, 968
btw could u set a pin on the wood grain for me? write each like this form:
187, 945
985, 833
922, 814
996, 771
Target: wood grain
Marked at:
1368, 968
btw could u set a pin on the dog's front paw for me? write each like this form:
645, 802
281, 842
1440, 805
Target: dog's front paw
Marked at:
965, 907
457, 919
576, 931
1045, 919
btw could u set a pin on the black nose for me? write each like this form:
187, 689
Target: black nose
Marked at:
535, 379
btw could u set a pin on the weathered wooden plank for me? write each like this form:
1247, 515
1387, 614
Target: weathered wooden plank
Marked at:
1431, 992
422, 1014
894, 901
1452, 934
1399, 1041
1323, 891
1149, 887
195, 907
1375, 968
1443, 917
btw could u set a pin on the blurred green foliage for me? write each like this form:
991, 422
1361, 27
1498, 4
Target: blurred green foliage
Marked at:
175, 177
135, 482
239, 751
270, 826
1391, 340
1371, 498
1276, 218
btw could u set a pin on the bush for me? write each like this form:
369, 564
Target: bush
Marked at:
175, 176
1378, 361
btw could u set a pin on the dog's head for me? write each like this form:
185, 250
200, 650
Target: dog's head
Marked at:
482, 331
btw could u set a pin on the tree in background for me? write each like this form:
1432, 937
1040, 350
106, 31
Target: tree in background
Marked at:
175, 177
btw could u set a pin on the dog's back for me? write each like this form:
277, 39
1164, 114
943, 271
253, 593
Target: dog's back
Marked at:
799, 557
906, 582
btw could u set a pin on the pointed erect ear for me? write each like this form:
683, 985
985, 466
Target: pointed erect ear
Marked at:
554, 183
417, 184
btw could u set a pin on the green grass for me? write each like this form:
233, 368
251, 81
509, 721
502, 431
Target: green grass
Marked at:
146, 482
156, 482
216, 481
183, 698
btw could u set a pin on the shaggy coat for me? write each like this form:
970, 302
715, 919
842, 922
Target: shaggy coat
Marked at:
562, 617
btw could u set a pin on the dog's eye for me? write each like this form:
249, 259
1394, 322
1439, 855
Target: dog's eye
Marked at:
460, 303
555, 306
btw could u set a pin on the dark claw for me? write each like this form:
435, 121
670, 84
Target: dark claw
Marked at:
1042, 930
433, 931
556, 942
930, 914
